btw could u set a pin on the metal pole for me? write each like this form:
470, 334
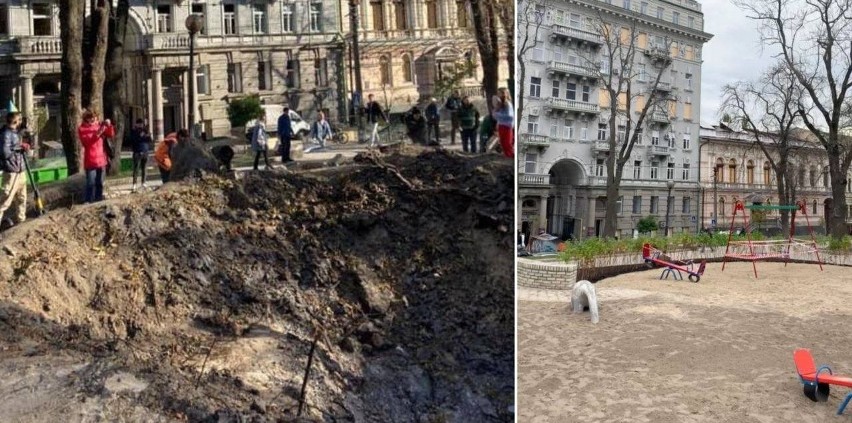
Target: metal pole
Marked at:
668, 210
191, 125
715, 200
353, 15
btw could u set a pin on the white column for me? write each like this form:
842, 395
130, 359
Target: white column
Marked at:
454, 22
157, 103
26, 106
542, 213
387, 8
590, 220
184, 109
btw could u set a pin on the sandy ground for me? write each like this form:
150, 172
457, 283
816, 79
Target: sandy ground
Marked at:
676, 351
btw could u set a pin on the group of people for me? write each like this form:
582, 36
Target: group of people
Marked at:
466, 122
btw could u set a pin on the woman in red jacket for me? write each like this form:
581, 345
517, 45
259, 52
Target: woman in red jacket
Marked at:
95, 160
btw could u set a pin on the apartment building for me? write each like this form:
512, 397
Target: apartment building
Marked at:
564, 127
288, 52
734, 167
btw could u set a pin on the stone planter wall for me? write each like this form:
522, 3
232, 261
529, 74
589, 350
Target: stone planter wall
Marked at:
546, 275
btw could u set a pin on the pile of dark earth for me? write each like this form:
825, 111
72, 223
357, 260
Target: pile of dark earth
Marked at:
205, 300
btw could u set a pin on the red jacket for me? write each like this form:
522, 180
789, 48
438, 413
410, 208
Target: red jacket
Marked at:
94, 155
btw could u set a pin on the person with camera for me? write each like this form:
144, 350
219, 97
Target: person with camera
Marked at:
12, 163
95, 160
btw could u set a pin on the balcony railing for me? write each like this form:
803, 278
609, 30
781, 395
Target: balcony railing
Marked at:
663, 86
659, 116
571, 69
572, 105
658, 150
600, 146
175, 41
534, 179
535, 139
740, 186
577, 34
39, 45
658, 53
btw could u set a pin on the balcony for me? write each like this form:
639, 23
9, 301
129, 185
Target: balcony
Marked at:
568, 33
659, 150
569, 69
658, 54
659, 116
561, 104
39, 46
177, 41
534, 179
600, 146
535, 140
663, 87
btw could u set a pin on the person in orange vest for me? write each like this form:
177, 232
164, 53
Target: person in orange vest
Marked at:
163, 155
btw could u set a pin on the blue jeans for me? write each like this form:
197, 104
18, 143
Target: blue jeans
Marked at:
94, 185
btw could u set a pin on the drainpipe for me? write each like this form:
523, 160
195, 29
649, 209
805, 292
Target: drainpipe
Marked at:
700, 188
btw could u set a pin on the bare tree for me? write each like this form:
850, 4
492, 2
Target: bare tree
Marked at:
634, 95
815, 42
115, 95
485, 18
769, 109
71, 34
94, 56
530, 18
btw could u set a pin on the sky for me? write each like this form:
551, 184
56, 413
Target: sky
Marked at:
733, 54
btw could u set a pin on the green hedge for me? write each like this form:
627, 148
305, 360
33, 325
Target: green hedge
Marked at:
592, 248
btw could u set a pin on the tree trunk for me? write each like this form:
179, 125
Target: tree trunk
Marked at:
784, 199
507, 19
95, 59
71, 35
484, 23
114, 92
611, 217
837, 221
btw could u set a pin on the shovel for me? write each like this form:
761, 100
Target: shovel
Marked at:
38, 204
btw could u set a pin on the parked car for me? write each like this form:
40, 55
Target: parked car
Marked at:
273, 111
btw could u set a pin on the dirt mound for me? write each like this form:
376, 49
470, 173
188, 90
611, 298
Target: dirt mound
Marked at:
201, 301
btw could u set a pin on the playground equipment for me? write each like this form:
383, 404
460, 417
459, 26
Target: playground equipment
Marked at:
583, 296
754, 251
816, 384
653, 256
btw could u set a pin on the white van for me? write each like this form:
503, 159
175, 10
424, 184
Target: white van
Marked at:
273, 112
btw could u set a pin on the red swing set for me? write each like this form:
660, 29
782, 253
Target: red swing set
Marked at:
754, 251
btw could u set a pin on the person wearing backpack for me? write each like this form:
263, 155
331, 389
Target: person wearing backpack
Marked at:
259, 142
12, 163
468, 118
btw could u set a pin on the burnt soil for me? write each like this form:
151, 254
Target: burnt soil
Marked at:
201, 301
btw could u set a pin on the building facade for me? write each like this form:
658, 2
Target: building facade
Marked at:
734, 167
563, 130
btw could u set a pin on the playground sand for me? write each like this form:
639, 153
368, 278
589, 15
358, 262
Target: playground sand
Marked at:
675, 351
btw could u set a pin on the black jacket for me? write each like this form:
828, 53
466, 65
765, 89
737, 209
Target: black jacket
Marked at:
140, 140
11, 159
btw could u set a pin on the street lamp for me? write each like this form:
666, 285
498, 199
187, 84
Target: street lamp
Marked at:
358, 94
194, 24
670, 183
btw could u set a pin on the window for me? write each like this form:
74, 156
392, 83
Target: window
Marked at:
620, 204
655, 170
686, 206
813, 176
202, 79
719, 170
378, 15
627, 4
535, 86
637, 169
622, 133
637, 204
814, 209
235, 78
316, 17
568, 132
164, 17
4, 19
538, 54
688, 78
385, 70
641, 72
655, 137
258, 16
767, 174
655, 204
676, 18
293, 77
575, 21
431, 14
722, 206
732, 171
529, 164
461, 15
599, 167
660, 12
586, 92
690, 21
400, 15
560, 15
200, 11
584, 132
687, 141
670, 171
42, 18
407, 74
601, 131
685, 174
638, 135
643, 8
321, 71
532, 124
555, 92
229, 19
571, 91
287, 18
670, 204
605, 66
750, 172
670, 138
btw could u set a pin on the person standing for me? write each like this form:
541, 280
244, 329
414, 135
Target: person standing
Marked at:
453, 105
468, 123
416, 125
140, 142
12, 163
285, 136
505, 116
321, 130
92, 133
433, 119
259, 142
374, 112
163, 156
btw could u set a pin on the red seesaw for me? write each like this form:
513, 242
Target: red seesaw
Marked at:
816, 382
652, 256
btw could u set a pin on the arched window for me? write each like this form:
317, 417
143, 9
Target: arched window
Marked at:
814, 212
720, 170
385, 69
767, 174
813, 176
732, 171
721, 208
801, 176
750, 173
406, 69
